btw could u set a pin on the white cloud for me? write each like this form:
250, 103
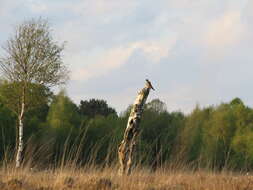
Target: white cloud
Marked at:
248, 16
224, 31
115, 57
155, 50
103, 9
108, 36
102, 64
36, 6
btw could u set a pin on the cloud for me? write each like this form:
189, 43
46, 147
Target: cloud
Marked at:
225, 31
36, 6
102, 10
110, 59
249, 9
248, 17
115, 57
112, 46
157, 49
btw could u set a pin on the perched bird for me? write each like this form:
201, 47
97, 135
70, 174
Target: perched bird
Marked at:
148, 84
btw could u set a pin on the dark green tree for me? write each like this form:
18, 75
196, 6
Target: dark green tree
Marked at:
94, 107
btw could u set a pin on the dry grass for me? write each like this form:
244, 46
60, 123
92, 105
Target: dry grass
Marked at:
95, 179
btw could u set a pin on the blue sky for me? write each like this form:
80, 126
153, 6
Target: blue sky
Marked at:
193, 51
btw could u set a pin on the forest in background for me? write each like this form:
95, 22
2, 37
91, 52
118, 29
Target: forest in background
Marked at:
59, 132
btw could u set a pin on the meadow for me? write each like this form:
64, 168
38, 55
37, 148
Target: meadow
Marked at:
91, 178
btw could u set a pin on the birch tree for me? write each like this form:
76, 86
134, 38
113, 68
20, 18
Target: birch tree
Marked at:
127, 145
31, 56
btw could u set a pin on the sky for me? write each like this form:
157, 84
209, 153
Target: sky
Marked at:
193, 51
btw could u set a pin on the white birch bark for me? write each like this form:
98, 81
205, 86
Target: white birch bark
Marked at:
127, 146
20, 134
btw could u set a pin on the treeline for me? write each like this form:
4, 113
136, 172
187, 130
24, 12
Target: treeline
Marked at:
61, 132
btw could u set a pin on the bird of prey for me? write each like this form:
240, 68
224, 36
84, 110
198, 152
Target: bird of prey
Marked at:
148, 84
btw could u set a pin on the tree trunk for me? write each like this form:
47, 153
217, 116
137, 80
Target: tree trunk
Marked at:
20, 131
16, 140
127, 146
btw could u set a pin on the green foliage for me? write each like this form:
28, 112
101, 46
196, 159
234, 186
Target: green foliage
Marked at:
159, 130
192, 134
219, 137
63, 113
214, 137
7, 130
95, 107
35, 96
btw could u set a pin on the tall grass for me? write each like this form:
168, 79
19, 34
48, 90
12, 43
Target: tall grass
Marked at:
48, 167
90, 178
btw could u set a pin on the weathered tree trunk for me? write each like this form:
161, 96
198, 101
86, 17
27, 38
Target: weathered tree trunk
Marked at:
127, 146
20, 131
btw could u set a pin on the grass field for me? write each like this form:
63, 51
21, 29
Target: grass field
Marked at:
95, 179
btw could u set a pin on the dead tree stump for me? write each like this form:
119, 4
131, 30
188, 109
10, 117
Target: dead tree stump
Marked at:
127, 146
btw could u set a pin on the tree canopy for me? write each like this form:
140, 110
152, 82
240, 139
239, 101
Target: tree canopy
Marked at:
94, 107
32, 56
